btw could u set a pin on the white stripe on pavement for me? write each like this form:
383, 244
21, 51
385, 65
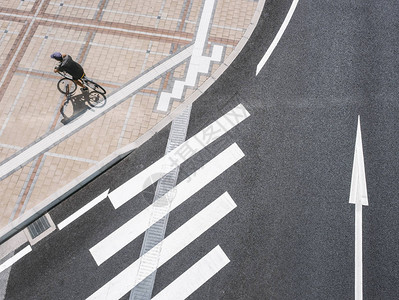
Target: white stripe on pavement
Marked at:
9, 262
83, 210
193, 278
184, 190
277, 37
198, 62
176, 157
170, 246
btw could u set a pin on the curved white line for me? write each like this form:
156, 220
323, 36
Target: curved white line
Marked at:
277, 38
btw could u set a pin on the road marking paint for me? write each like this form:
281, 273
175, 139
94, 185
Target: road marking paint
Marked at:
198, 62
170, 246
177, 156
358, 196
83, 210
358, 193
194, 277
277, 37
184, 190
9, 262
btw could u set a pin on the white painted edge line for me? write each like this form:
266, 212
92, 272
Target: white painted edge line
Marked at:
170, 246
9, 262
129, 231
175, 158
277, 37
82, 210
188, 282
195, 276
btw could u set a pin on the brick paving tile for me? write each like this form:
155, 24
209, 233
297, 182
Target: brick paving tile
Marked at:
115, 41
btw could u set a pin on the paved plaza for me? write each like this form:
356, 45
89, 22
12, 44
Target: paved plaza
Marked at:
118, 42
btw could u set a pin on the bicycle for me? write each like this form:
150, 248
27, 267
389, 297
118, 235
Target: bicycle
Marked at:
66, 85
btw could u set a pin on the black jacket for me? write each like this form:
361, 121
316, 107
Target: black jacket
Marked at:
71, 67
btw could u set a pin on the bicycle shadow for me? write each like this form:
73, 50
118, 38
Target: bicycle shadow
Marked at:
76, 105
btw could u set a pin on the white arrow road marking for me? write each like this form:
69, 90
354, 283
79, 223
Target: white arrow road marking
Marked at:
170, 246
9, 262
358, 196
358, 193
83, 210
184, 190
277, 37
194, 277
176, 157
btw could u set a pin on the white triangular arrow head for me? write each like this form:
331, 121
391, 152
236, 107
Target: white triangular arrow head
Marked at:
358, 193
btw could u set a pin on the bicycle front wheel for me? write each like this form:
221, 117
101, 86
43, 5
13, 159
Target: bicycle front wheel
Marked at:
66, 85
95, 86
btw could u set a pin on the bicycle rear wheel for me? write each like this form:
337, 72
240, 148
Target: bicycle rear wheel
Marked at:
95, 86
64, 84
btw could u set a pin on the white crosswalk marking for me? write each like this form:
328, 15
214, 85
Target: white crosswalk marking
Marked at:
167, 163
176, 157
195, 276
125, 234
171, 245
184, 190
82, 211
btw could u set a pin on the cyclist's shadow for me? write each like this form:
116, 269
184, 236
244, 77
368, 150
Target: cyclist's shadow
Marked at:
76, 105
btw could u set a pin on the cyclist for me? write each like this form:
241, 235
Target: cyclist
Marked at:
68, 65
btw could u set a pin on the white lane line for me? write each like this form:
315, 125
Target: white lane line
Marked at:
184, 190
170, 246
193, 278
176, 157
198, 62
9, 262
277, 37
358, 196
83, 210
112, 101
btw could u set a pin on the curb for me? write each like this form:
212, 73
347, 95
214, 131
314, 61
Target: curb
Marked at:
31, 215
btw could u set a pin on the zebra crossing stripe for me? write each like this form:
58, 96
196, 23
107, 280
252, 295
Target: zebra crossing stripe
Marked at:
184, 190
82, 211
195, 276
170, 246
176, 157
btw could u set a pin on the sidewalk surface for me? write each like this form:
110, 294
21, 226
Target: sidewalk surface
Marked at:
116, 41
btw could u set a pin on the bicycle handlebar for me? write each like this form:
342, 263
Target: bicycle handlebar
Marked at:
64, 74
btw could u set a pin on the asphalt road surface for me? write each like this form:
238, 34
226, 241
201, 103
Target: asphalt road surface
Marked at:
291, 234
